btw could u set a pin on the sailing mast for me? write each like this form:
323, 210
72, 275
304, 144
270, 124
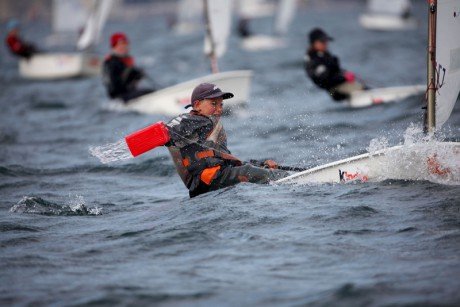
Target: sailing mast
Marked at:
430, 119
212, 55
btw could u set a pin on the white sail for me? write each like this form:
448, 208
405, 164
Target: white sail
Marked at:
219, 18
447, 58
94, 24
391, 7
189, 16
250, 9
286, 10
70, 15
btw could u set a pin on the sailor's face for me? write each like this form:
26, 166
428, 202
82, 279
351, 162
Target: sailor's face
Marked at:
320, 45
122, 48
210, 107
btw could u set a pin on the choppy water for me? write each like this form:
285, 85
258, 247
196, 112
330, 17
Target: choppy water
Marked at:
75, 231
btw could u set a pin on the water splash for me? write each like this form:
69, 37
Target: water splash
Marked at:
420, 157
78, 204
377, 144
111, 152
37, 205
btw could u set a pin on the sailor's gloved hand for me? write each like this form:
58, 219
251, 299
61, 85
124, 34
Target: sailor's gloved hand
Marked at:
270, 164
349, 76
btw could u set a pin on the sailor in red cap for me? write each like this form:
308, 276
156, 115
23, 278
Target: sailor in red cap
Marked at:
15, 43
120, 75
198, 145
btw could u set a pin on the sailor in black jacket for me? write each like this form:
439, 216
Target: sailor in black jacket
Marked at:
120, 76
198, 145
324, 68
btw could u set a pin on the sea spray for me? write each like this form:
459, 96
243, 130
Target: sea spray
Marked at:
111, 152
419, 157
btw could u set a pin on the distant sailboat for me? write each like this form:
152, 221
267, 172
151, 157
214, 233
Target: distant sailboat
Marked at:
388, 15
189, 17
426, 160
284, 16
60, 65
171, 100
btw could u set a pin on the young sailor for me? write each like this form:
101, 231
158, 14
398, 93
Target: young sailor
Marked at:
16, 44
324, 68
199, 147
120, 76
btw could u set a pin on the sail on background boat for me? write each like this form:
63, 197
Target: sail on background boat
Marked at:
219, 19
94, 24
285, 15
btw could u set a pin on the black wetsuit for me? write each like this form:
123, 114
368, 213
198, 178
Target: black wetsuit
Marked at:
19, 47
202, 145
324, 70
121, 78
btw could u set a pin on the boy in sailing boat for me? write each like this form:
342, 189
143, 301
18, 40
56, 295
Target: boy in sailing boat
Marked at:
120, 76
324, 68
198, 145
16, 44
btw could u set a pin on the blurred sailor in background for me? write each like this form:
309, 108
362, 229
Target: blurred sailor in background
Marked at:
324, 68
15, 43
120, 76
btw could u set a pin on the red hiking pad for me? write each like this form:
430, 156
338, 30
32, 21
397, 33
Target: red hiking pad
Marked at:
147, 139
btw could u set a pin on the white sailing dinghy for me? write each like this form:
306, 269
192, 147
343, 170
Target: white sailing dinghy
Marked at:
388, 15
285, 14
61, 65
366, 98
171, 100
431, 160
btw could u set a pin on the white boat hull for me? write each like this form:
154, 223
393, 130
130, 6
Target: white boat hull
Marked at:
366, 98
433, 161
49, 66
386, 22
262, 42
172, 100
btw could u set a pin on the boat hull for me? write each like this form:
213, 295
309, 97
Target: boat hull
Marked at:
434, 161
173, 99
386, 22
51, 66
366, 98
262, 42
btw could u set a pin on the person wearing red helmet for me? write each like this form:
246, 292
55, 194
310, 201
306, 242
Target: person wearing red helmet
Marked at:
16, 44
120, 75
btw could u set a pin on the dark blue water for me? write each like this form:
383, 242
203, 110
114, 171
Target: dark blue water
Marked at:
77, 232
